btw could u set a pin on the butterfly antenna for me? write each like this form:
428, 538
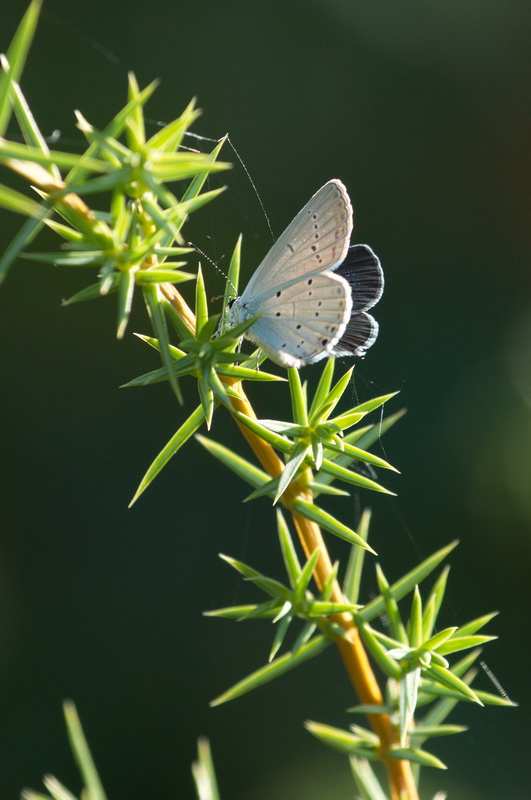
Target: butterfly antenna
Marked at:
248, 174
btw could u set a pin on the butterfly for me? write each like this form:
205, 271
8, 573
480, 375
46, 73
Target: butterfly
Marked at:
312, 291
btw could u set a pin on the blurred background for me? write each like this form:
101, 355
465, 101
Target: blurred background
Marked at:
422, 109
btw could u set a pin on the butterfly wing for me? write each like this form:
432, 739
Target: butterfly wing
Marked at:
311, 291
316, 240
300, 323
364, 274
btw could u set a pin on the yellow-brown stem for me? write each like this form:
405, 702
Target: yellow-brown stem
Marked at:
354, 656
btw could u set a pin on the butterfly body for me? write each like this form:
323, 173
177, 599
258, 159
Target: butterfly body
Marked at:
311, 292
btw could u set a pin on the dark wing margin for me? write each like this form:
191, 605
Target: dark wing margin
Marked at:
361, 269
364, 274
360, 334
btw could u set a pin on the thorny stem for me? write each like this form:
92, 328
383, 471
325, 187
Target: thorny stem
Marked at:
400, 777
354, 656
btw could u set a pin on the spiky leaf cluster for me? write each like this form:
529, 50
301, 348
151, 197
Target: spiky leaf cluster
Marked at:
134, 242
410, 652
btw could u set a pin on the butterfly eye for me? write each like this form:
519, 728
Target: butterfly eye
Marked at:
231, 302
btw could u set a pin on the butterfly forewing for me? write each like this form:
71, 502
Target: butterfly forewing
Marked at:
315, 241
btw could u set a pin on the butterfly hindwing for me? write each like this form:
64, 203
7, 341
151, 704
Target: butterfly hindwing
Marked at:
302, 321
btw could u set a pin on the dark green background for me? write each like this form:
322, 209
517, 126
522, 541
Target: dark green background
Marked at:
422, 109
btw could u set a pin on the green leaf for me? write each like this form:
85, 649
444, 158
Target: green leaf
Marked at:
271, 671
317, 488
135, 130
440, 710
197, 182
396, 625
56, 789
379, 653
416, 756
159, 218
26, 120
78, 743
347, 419
361, 455
112, 130
206, 396
447, 679
409, 687
182, 365
351, 583
162, 275
284, 621
287, 546
243, 468
268, 585
289, 473
433, 604
72, 259
35, 155
195, 203
268, 611
337, 392
169, 138
328, 522
428, 731
366, 781
245, 374
331, 468
415, 621
371, 709
201, 302
203, 772
180, 437
26, 234
323, 387
306, 576
403, 586
126, 288
158, 320
322, 608
298, 397
306, 633
20, 204
475, 624
375, 402
256, 426
233, 275
458, 643
179, 166
16, 56
365, 746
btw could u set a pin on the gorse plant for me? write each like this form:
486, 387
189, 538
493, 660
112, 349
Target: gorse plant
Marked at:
394, 653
